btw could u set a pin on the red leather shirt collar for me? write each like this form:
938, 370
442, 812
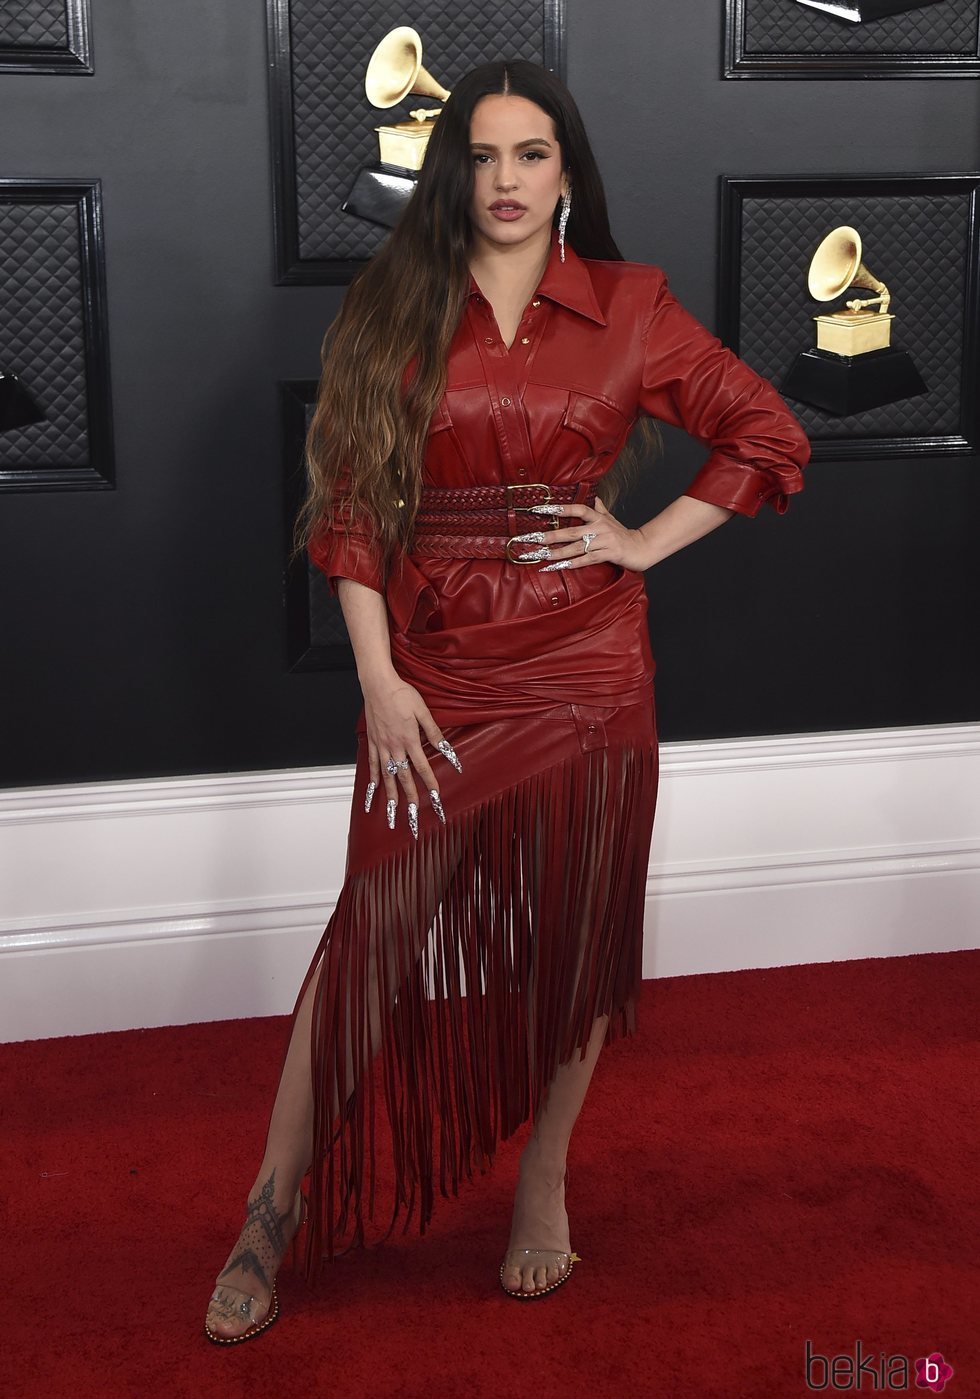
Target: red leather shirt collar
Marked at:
568, 282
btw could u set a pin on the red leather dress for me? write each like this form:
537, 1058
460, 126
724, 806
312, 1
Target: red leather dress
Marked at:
486, 948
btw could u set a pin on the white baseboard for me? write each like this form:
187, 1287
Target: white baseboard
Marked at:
174, 900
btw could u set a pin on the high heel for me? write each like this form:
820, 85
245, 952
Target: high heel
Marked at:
245, 1307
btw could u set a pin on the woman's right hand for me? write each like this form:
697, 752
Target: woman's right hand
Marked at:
394, 712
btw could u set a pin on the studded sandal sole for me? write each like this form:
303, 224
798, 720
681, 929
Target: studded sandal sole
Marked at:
520, 1295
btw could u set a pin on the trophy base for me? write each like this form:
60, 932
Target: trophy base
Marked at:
842, 385
405, 143
380, 192
854, 334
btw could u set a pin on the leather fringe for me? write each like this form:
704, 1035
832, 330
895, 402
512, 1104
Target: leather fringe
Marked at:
493, 943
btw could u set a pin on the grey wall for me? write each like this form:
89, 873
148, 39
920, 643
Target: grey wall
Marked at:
142, 629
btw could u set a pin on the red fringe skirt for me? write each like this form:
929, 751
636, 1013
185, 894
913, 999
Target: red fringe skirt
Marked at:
475, 959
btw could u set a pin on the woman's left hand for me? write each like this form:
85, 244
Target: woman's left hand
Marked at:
612, 542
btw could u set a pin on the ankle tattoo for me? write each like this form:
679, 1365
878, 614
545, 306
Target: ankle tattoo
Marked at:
262, 1239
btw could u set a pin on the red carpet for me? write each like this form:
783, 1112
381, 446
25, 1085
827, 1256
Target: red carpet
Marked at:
779, 1156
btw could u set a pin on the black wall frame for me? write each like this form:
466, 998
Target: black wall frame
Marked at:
784, 39
46, 36
921, 237
54, 334
316, 633
322, 125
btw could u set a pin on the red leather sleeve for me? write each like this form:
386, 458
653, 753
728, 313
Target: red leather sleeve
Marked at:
691, 380
346, 554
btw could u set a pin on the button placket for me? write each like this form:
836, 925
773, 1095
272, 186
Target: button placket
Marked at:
529, 333
551, 588
512, 433
506, 375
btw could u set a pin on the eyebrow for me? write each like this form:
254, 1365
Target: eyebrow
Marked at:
531, 141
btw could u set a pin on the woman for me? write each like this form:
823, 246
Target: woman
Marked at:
487, 941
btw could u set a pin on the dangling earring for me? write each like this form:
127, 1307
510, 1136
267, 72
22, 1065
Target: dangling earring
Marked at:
566, 204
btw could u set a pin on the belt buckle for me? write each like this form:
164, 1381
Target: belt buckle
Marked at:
553, 523
528, 486
528, 558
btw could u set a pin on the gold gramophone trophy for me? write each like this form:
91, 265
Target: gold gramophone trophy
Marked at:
860, 11
394, 71
854, 365
380, 192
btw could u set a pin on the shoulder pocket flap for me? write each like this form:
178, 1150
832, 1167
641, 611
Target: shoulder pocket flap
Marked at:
441, 418
596, 420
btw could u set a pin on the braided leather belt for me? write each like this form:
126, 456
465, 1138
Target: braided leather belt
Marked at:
474, 522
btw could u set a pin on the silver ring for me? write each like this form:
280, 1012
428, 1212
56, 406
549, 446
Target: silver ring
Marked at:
587, 540
393, 767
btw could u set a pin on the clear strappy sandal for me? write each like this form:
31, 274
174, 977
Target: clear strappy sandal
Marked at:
549, 1256
256, 1328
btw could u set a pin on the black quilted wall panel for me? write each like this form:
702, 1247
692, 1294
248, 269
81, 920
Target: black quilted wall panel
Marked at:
45, 36
784, 26
41, 23
918, 244
52, 336
332, 121
782, 38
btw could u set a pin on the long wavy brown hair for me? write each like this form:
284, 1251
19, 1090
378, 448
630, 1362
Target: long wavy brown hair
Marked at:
365, 445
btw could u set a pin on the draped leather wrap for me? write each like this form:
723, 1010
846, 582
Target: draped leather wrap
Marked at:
456, 644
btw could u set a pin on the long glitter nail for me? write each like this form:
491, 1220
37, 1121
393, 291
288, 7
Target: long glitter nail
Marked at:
545, 509
553, 567
369, 795
448, 751
392, 804
536, 555
536, 536
413, 818
436, 801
